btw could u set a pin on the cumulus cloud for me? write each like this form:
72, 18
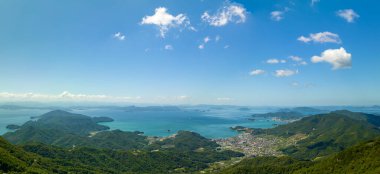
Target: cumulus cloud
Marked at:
348, 14
285, 73
338, 58
321, 37
119, 36
168, 47
164, 20
234, 13
277, 15
64, 96
275, 61
256, 72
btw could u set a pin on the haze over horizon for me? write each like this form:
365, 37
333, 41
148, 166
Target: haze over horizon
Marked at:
256, 53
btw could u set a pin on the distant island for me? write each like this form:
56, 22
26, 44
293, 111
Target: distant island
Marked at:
280, 116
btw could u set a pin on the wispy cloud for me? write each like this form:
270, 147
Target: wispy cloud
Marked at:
321, 37
205, 41
348, 14
277, 15
119, 36
298, 60
285, 73
168, 47
234, 13
275, 61
256, 72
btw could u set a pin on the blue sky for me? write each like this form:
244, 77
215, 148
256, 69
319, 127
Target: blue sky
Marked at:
191, 52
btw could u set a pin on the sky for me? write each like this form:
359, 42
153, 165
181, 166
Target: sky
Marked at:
251, 52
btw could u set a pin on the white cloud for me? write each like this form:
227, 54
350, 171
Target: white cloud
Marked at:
235, 13
64, 96
168, 47
275, 61
164, 21
321, 37
277, 15
256, 72
205, 41
119, 36
304, 39
285, 73
298, 60
338, 58
348, 14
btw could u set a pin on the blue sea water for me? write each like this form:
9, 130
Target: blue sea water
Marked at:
213, 123
17, 116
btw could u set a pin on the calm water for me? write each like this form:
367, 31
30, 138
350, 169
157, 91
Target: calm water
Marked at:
213, 123
18, 117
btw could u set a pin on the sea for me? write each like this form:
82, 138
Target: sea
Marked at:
209, 121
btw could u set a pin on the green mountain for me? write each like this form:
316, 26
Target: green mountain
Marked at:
185, 140
42, 158
326, 133
59, 146
363, 158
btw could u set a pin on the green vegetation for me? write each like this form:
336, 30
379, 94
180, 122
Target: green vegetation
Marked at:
61, 142
53, 143
182, 157
326, 133
185, 140
362, 158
